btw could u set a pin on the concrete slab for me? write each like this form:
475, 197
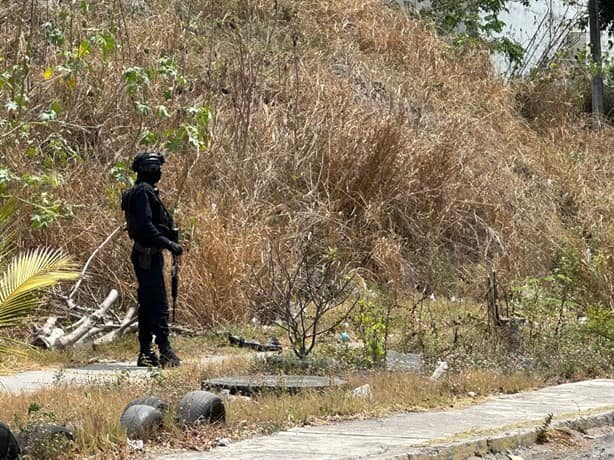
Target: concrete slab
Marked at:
91, 374
94, 373
253, 384
399, 435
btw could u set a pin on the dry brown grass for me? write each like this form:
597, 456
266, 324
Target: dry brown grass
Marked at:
94, 411
344, 116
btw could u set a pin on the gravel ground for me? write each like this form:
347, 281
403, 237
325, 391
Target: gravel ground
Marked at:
595, 444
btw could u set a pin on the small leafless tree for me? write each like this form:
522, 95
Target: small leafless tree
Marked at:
299, 285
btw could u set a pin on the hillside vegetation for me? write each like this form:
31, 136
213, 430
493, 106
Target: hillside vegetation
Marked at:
347, 120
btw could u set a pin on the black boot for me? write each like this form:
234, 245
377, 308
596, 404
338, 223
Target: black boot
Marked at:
168, 358
147, 358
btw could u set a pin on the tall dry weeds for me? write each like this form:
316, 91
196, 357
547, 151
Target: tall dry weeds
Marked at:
407, 154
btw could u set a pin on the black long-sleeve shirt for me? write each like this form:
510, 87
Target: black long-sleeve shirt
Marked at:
149, 223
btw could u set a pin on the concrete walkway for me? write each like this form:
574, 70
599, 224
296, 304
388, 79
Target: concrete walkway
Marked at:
456, 433
97, 373
30, 381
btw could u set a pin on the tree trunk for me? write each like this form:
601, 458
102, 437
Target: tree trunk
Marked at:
128, 322
88, 323
597, 86
52, 337
48, 335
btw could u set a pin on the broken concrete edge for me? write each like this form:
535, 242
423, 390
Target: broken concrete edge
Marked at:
501, 442
516, 427
271, 383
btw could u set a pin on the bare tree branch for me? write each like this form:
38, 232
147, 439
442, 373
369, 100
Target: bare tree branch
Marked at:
89, 261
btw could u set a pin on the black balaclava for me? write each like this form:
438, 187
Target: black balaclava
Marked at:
151, 177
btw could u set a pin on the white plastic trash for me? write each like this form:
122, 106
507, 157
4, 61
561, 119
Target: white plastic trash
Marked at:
442, 367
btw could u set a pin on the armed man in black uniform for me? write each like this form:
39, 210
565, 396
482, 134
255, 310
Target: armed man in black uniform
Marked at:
152, 229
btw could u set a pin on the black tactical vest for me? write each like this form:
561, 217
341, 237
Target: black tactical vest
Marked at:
160, 217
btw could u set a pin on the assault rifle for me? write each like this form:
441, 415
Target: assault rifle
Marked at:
174, 272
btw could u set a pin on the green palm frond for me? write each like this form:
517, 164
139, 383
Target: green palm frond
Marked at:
7, 231
24, 276
6, 349
7, 211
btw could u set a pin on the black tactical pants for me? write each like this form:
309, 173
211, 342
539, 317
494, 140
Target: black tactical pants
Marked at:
151, 295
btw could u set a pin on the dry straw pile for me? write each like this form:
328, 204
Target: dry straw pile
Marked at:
347, 119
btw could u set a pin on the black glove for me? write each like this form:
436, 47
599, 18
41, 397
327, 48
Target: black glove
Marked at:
175, 248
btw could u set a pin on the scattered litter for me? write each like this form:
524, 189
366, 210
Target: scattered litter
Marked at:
442, 367
345, 337
272, 345
473, 394
99, 360
514, 457
136, 444
363, 391
227, 395
223, 442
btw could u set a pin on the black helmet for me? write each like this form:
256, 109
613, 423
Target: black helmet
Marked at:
147, 162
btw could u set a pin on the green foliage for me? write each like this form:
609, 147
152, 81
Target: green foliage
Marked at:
193, 132
45, 208
137, 80
476, 16
46, 133
476, 21
543, 430
54, 34
169, 71
22, 277
578, 76
608, 69
12, 82
106, 43
52, 113
301, 293
33, 407
606, 16
370, 322
6, 177
347, 357
600, 321
123, 174
579, 278
570, 305
57, 152
49, 210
